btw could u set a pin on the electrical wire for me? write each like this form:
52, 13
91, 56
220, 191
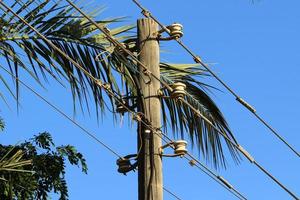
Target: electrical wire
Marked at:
97, 81
219, 179
91, 135
115, 42
202, 167
198, 60
243, 151
172, 194
48, 102
50, 43
158, 132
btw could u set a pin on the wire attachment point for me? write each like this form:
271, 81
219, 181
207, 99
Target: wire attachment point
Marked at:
175, 31
179, 147
197, 59
106, 29
246, 154
98, 82
178, 90
247, 105
124, 164
106, 86
146, 13
137, 117
225, 182
192, 163
122, 106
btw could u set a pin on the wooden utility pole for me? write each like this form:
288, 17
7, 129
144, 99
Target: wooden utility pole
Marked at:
150, 163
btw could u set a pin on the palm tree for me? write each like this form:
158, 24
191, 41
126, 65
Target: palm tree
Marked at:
25, 51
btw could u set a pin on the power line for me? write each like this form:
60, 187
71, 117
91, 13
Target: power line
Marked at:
242, 150
224, 183
198, 60
91, 135
77, 65
172, 194
218, 178
98, 82
112, 40
194, 161
115, 42
106, 32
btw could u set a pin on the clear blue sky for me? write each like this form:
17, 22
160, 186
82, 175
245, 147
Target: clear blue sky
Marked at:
255, 47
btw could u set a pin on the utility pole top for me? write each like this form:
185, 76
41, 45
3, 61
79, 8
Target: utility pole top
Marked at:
149, 143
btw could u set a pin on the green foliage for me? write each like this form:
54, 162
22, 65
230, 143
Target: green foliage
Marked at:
44, 174
81, 41
24, 50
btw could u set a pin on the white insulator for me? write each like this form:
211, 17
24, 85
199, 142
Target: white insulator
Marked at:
180, 147
176, 30
178, 90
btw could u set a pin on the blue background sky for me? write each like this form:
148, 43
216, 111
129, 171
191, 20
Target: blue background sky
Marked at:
254, 47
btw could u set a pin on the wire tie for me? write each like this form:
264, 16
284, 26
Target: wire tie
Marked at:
136, 117
106, 86
99, 82
197, 59
146, 13
198, 114
247, 105
106, 29
192, 163
225, 182
246, 154
146, 72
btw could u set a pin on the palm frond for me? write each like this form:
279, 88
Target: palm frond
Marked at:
79, 39
183, 120
24, 51
13, 161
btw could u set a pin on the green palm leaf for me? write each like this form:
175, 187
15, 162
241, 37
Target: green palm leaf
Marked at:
82, 41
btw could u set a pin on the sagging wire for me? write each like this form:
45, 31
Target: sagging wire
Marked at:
139, 117
168, 87
198, 60
91, 135
97, 81
62, 113
241, 150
